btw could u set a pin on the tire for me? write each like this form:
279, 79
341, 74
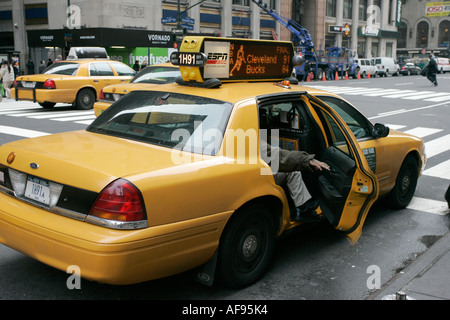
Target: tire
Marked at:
85, 99
405, 184
246, 247
47, 105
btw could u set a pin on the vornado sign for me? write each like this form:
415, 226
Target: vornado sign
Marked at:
159, 38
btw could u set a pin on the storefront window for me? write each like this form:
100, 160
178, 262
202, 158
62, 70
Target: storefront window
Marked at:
403, 30
444, 34
422, 35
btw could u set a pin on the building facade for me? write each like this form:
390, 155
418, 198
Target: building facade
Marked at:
135, 29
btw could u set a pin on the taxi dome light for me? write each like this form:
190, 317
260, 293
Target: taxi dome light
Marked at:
119, 201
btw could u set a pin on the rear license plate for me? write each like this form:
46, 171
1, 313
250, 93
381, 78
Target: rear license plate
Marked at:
116, 96
38, 190
28, 84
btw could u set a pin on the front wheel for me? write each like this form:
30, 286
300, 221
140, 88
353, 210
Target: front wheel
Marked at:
246, 247
85, 99
405, 185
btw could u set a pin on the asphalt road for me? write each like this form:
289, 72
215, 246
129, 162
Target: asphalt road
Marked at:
309, 264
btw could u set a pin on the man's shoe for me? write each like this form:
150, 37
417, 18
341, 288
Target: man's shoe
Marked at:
305, 213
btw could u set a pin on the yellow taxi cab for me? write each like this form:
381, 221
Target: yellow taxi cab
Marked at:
151, 75
76, 82
170, 178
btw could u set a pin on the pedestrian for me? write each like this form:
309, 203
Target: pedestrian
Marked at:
136, 66
7, 76
16, 68
49, 62
306, 70
42, 67
144, 64
432, 69
30, 66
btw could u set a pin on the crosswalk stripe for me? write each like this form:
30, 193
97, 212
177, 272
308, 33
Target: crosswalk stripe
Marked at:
21, 132
422, 132
439, 99
437, 146
92, 116
387, 93
441, 170
429, 205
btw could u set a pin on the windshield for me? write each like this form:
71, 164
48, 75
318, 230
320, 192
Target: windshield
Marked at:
66, 68
157, 74
179, 121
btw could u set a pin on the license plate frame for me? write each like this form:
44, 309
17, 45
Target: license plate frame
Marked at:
38, 189
29, 84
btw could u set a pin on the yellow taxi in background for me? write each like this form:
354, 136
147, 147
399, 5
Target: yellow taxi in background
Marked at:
76, 82
153, 75
170, 177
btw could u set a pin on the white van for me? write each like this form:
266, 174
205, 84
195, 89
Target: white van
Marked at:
386, 66
365, 67
443, 65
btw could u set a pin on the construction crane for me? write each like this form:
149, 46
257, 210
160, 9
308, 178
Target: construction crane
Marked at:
335, 57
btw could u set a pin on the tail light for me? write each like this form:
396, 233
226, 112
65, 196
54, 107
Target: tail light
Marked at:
101, 96
120, 205
49, 84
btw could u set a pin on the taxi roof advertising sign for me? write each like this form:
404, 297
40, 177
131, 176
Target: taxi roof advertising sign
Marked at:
229, 59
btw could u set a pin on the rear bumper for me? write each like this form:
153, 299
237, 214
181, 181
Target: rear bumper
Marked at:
106, 255
101, 106
43, 95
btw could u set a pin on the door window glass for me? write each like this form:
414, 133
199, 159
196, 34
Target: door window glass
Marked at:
100, 69
360, 126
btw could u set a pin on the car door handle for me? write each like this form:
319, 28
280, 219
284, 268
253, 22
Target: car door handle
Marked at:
95, 80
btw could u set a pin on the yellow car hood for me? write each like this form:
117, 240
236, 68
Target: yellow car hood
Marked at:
85, 160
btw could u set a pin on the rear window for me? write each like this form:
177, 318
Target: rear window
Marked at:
65, 68
122, 69
157, 74
179, 121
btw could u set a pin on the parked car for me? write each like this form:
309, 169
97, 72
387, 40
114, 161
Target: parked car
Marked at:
364, 67
386, 66
443, 64
409, 69
76, 82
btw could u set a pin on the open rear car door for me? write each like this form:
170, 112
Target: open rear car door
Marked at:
349, 189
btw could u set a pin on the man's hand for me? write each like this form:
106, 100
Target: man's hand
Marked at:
318, 165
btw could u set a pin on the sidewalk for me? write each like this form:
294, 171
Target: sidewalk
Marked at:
426, 278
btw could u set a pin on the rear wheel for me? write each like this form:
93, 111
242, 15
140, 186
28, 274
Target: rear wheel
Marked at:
246, 247
405, 185
85, 99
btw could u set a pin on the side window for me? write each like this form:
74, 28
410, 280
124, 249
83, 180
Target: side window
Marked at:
335, 135
100, 69
358, 124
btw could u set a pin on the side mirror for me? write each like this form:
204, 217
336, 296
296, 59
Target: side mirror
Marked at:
380, 130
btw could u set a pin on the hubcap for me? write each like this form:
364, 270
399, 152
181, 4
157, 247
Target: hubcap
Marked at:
249, 246
405, 183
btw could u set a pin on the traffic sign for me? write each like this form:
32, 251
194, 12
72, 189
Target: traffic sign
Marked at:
188, 20
168, 20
